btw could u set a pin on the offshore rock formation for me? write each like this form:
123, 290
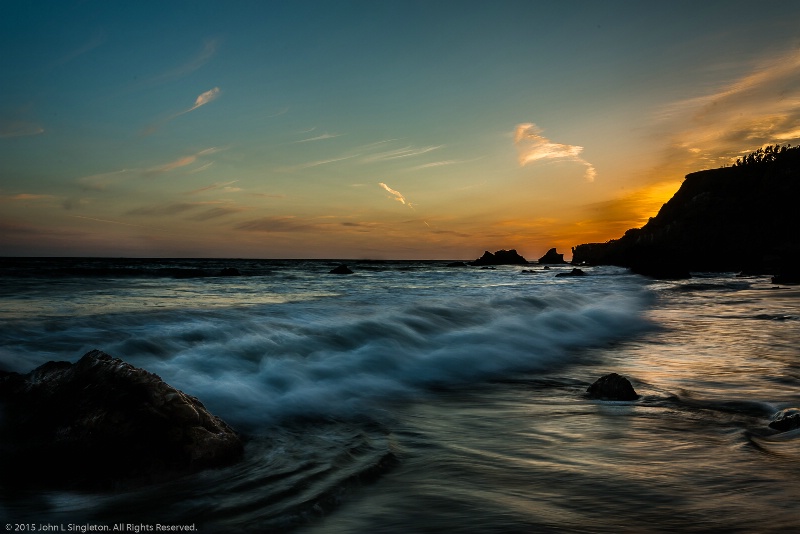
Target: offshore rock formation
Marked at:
341, 269
501, 257
103, 423
552, 257
737, 218
612, 387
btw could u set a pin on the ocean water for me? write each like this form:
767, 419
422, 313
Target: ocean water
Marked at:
416, 397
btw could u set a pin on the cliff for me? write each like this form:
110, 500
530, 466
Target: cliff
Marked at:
739, 218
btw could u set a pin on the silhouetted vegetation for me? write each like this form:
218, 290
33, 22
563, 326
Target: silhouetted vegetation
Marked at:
767, 154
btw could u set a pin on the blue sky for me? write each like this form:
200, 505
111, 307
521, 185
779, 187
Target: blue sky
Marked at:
391, 129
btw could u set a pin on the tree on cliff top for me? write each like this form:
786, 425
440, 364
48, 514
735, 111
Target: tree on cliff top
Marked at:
767, 154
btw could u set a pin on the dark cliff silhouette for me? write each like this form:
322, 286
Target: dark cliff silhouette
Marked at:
740, 218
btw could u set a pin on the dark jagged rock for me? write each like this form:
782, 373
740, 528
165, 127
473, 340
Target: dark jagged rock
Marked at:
501, 257
612, 387
785, 420
103, 423
552, 257
574, 272
733, 219
457, 264
230, 271
341, 269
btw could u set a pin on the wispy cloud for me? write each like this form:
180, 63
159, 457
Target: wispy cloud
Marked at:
96, 40
99, 182
397, 195
201, 100
320, 137
170, 209
183, 161
24, 196
532, 146
19, 128
212, 187
215, 213
316, 163
287, 223
737, 117
405, 152
111, 221
205, 55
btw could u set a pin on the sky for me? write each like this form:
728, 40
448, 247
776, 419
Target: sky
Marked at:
391, 129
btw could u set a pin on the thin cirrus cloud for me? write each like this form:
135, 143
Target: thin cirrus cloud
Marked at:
320, 137
398, 196
18, 128
204, 56
760, 107
180, 162
405, 152
25, 196
277, 224
204, 98
226, 186
532, 146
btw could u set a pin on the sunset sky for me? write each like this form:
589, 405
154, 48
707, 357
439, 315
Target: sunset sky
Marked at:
375, 129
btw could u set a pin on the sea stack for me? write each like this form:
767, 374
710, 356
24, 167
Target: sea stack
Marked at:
552, 257
501, 257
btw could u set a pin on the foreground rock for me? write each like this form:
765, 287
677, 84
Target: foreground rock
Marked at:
501, 257
612, 387
552, 257
785, 420
103, 423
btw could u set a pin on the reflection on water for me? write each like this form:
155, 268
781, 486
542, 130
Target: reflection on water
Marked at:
418, 399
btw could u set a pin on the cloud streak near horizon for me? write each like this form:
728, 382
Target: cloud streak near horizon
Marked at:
532, 147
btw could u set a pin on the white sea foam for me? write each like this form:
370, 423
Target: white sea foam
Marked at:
336, 362
334, 347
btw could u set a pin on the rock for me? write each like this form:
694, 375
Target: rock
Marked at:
501, 257
552, 257
457, 264
612, 387
574, 272
342, 269
103, 423
230, 271
785, 420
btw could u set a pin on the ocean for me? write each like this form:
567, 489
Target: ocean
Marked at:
413, 397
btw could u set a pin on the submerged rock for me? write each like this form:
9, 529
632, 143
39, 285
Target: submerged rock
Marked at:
457, 264
102, 422
574, 272
342, 269
785, 420
612, 387
230, 271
